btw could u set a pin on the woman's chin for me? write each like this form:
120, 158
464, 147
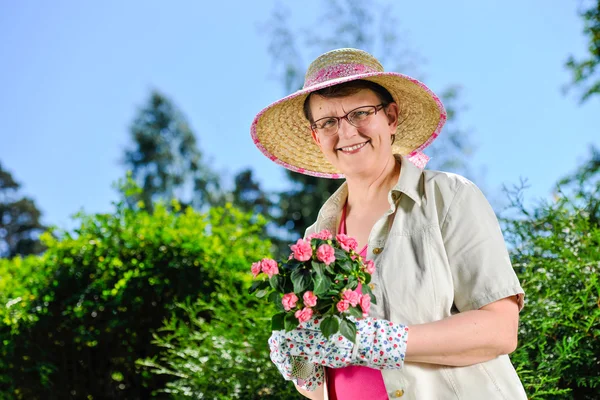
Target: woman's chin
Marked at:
356, 169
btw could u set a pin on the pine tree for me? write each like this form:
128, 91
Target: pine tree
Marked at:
165, 159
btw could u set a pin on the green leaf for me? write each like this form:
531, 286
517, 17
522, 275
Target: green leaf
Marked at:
258, 285
261, 293
366, 289
322, 284
367, 279
352, 282
340, 254
318, 267
277, 322
254, 286
277, 282
301, 280
355, 312
330, 326
348, 330
291, 322
293, 264
323, 305
275, 298
346, 265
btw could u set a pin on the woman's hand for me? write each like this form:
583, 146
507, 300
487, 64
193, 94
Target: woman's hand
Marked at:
282, 358
379, 344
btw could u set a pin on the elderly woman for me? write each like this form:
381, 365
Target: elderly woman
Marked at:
448, 300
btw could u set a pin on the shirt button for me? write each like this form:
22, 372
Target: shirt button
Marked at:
372, 286
399, 393
377, 250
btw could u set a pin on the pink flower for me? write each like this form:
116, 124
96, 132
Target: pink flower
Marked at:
304, 315
309, 299
346, 242
343, 305
370, 267
324, 235
256, 268
302, 250
269, 267
365, 304
289, 301
351, 297
326, 253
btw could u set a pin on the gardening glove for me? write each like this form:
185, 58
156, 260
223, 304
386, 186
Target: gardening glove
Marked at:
306, 375
380, 344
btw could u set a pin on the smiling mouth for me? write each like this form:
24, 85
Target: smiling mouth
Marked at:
353, 148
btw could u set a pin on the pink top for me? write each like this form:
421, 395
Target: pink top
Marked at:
355, 382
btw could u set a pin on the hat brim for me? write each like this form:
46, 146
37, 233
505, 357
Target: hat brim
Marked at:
282, 133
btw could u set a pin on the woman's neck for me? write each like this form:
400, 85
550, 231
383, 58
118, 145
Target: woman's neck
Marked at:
365, 190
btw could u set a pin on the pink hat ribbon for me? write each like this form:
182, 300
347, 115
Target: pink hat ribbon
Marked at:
337, 71
418, 158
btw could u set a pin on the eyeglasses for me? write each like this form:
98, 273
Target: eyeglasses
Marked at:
359, 117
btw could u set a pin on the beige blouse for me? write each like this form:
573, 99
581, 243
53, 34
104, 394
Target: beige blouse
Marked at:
438, 251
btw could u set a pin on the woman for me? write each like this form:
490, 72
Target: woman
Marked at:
447, 297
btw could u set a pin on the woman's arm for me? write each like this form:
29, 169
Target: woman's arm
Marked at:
468, 337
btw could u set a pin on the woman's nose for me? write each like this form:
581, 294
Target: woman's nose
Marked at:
346, 129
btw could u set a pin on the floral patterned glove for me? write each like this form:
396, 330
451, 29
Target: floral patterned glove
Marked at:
306, 375
379, 344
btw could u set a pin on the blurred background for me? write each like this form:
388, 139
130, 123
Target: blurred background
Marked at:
117, 284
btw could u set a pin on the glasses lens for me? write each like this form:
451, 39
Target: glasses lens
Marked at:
361, 116
327, 126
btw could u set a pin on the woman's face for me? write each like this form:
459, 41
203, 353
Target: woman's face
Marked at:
354, 151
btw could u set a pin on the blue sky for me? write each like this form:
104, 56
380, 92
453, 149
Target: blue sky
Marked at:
73, 75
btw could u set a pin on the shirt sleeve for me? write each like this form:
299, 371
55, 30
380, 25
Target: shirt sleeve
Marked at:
481, 269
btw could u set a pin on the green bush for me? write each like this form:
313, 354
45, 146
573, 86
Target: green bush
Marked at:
556, 252
227, 358
76, 319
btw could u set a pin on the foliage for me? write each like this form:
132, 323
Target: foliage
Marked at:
20, 225
226, 358
75, 319
556, 252
585, 73
165, 159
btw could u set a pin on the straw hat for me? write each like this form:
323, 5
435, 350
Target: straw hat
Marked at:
282, 132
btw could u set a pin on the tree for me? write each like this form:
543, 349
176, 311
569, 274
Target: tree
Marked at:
247, 195
585, 72
350, 23
165, 158
20, 224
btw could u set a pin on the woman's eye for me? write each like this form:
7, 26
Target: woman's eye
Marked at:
329, 123
360, 114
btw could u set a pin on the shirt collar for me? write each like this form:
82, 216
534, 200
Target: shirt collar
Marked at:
409, 181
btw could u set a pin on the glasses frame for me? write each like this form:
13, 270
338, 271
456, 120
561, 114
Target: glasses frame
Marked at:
314, 128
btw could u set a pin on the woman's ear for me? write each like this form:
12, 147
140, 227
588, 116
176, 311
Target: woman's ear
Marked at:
392, 115
315, 137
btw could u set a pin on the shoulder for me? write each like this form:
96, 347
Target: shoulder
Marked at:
451, 193
448, 182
